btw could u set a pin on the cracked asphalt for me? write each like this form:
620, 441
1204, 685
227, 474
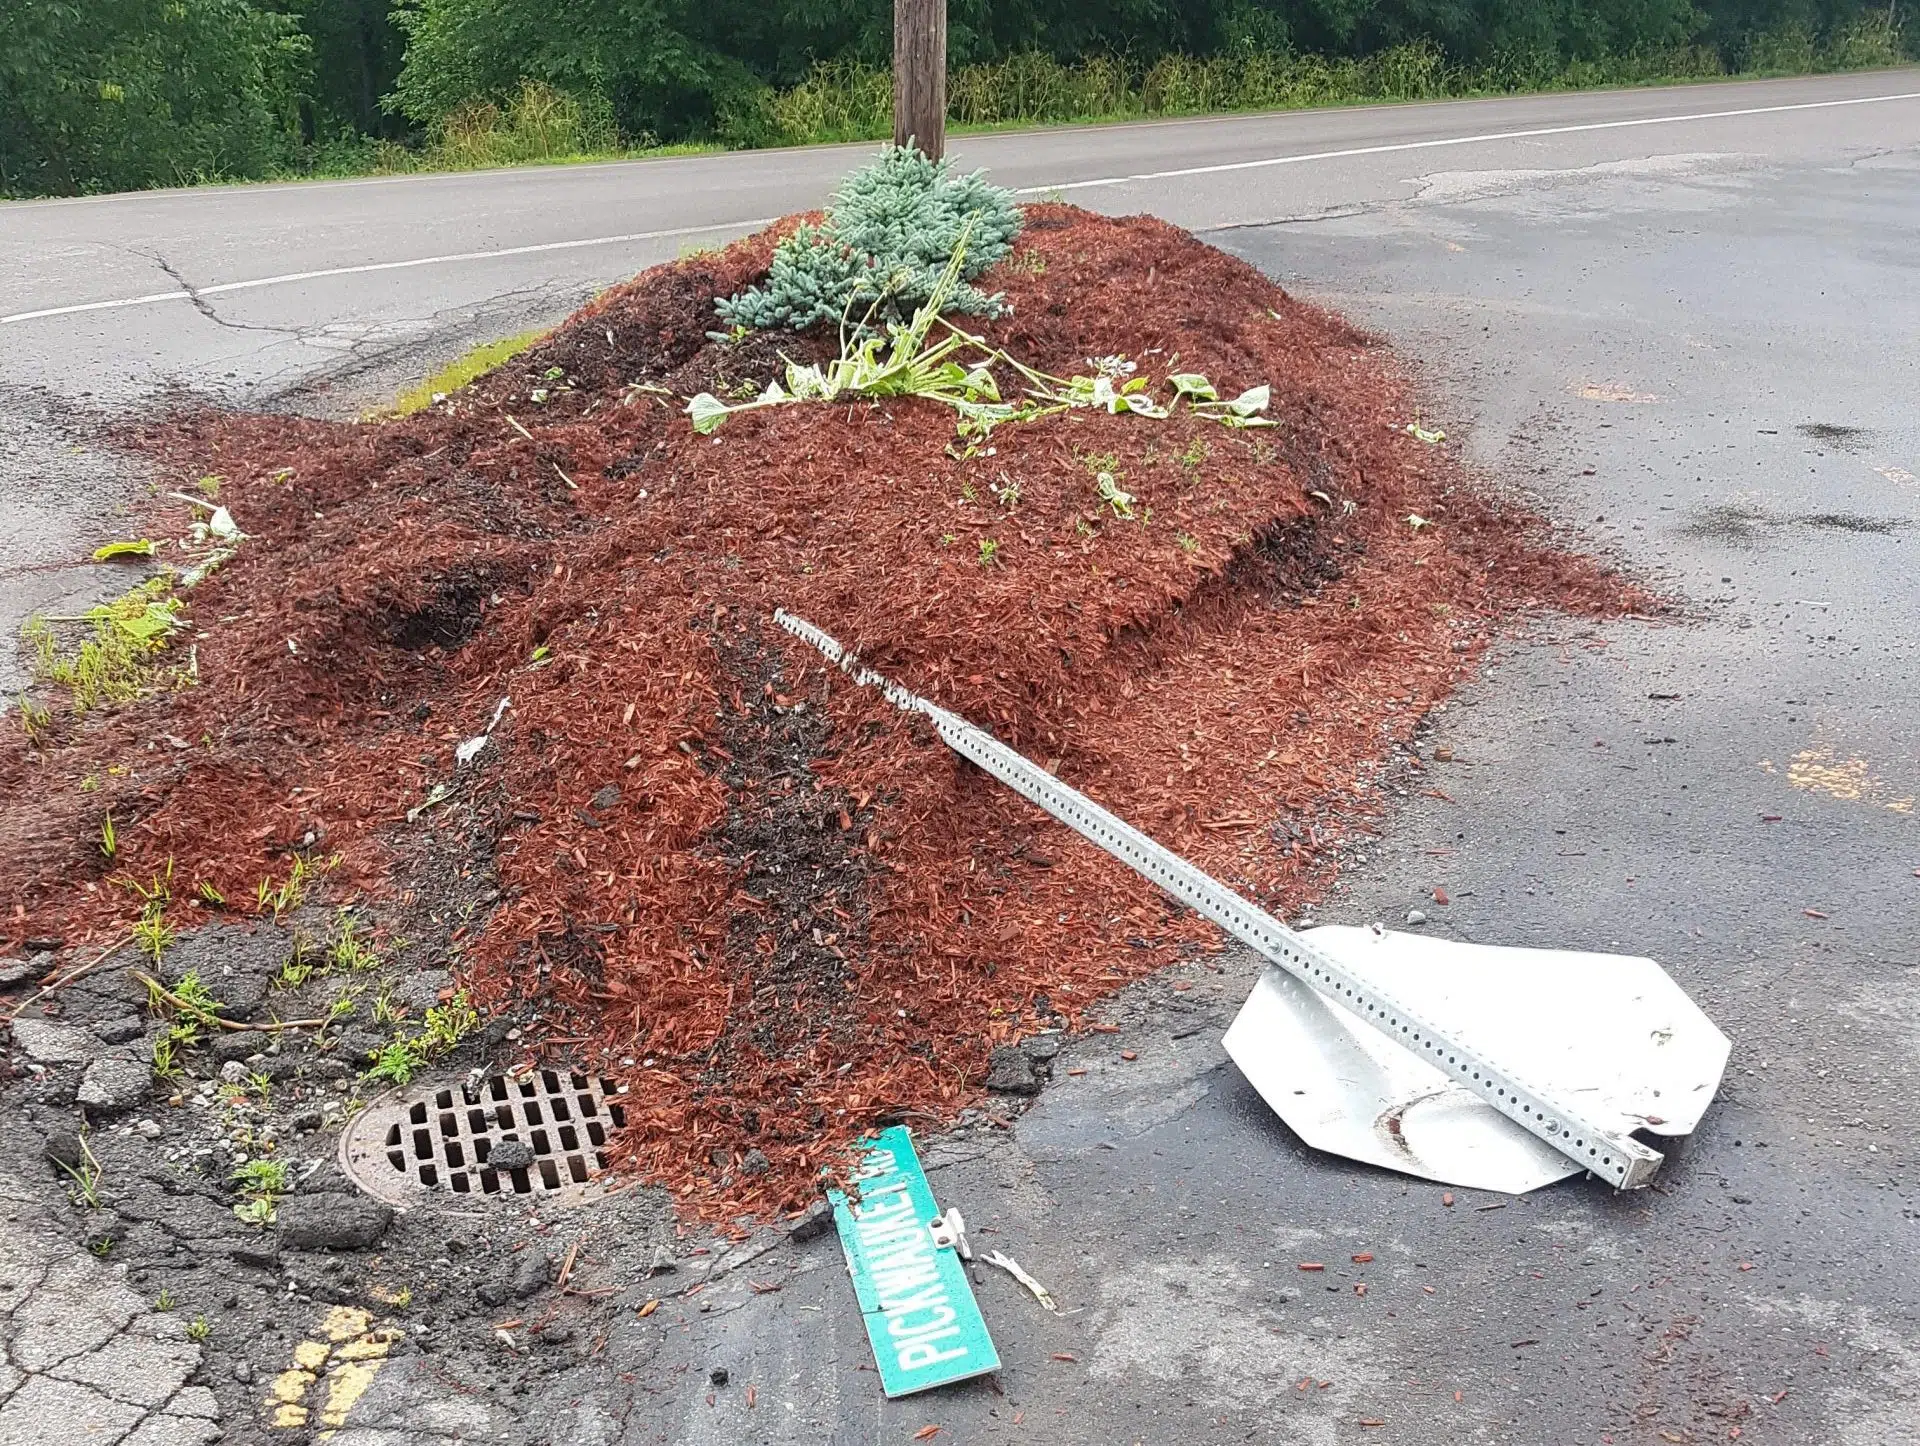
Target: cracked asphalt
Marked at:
86, 1358
1692, 343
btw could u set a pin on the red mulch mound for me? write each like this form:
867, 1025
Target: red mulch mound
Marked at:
782, 910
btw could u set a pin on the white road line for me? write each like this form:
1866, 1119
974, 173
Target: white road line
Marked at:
1384, 150
1064, 186
292, 276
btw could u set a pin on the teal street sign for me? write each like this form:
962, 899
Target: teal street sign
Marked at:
919, 1310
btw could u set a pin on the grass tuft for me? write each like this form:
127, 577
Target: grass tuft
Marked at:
463, 370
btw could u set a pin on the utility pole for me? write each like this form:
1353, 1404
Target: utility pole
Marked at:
920, 75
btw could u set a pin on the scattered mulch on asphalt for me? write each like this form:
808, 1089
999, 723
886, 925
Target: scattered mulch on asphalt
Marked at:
781, 910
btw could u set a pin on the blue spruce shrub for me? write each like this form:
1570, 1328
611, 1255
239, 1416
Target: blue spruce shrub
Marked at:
890, 233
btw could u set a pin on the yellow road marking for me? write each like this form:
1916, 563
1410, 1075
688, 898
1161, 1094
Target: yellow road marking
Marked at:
1820, 770
289, 1387
350, 1349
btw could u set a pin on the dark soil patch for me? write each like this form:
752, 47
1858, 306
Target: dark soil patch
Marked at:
777, 907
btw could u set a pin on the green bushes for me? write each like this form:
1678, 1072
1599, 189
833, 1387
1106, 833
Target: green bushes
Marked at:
893, 229
843, 100
108, 95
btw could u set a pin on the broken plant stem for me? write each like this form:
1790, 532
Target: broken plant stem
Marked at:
1013, 1268
66, 979
207, 1016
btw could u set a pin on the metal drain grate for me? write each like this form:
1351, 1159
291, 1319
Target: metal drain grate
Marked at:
439, 1140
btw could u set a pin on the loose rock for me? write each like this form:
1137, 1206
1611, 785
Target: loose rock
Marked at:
1042, 1048
358, 1046
242, 995
241, 1044
810, 1226
112, 1086
119, 1031
511, 1155
420, 992
1416, 917
533, 1275
755, 1162
47, 1043
19, 971
331, 1222
63, 1150
1010, 1072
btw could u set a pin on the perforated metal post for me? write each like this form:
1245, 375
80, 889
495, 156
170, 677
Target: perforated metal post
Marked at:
1612, 1154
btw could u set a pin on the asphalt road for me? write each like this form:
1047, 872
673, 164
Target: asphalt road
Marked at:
1698, 341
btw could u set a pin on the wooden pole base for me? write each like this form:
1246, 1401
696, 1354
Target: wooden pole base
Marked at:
920, 75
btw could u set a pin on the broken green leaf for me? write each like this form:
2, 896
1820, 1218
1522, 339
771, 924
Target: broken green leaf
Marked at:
144, 547
436, 796
707, 412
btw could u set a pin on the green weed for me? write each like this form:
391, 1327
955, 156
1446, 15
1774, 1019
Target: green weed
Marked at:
195, 997
291, 892
989, 552
444, 1026
1107, 476
341, 1006
114, 663
189, 1006
86, 1177
198, 1330
170, 1044
151, 931
261, 1183
109, 840
352, 950
261, 1177
166, 1302
397, 1063
35, 721
447, 1024
1186, 541
844, 100
295, 972
385, 1012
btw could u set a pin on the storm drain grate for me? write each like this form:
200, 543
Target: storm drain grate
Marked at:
545, 1134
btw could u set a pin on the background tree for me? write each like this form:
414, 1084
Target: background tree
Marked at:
104, 95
